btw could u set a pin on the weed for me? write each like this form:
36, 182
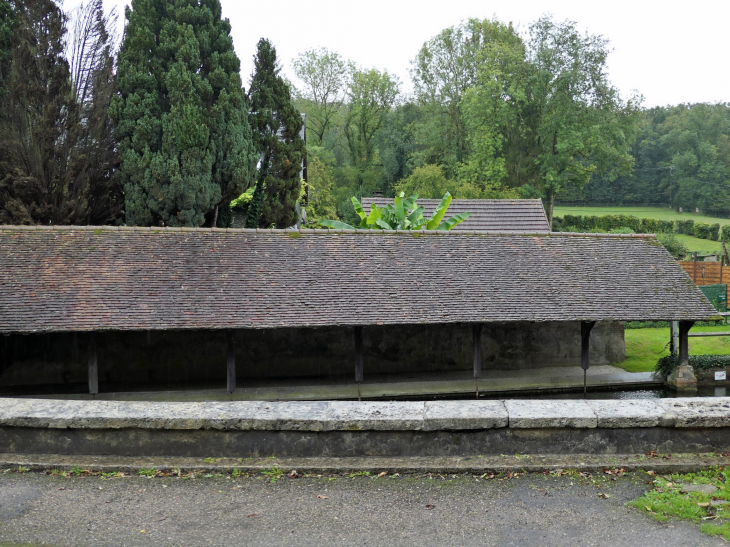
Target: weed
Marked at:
359, 474
149, 473
237, 473
667, 500
273, 474
76, 471
21, 469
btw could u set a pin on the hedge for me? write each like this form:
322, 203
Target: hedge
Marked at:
666, 365
607, 223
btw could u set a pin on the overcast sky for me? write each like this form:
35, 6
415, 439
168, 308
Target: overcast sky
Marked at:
668, 51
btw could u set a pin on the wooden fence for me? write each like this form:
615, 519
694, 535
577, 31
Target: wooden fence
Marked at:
707, 273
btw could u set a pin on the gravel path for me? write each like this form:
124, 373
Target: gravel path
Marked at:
533, 509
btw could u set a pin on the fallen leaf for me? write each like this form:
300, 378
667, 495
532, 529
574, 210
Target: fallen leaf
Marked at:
704, 504
143, 489
163, 518
383, 474
670, 485
143, 531
604, 496
323, 497
62, 488
294, 474
651, 473
430, 506
251, 515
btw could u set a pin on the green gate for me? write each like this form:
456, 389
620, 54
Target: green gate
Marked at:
717, 294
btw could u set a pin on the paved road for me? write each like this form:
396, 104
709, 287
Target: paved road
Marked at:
533, 510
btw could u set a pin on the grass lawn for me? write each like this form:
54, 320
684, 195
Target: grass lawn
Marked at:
644, 347
699, 245
641, 212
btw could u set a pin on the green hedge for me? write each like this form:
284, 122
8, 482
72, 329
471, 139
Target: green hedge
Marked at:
666, 365
665, 324
607, 223
725, 233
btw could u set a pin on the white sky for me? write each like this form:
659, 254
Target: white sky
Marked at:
668, 51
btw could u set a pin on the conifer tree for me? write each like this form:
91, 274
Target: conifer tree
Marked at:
184, 138
39, 123
7, 24
276, 127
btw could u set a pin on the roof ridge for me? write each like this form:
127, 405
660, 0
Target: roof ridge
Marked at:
154, 229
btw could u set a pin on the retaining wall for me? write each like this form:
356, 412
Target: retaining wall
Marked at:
353, 429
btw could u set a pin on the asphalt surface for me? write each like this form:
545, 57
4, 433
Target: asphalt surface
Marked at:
532, 509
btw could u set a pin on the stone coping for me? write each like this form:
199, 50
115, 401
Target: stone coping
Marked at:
319, 416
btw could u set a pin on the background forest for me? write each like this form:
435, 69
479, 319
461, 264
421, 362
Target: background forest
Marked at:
160, 127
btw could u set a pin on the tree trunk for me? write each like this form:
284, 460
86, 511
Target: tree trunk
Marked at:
215, 217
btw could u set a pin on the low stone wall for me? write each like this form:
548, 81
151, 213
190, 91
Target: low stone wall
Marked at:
169, 358
350, 429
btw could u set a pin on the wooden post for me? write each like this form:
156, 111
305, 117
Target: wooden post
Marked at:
585, 346
358, 359
674, 337
231, 369
722, 265
93, 366
477, 340
694, 270
684, 327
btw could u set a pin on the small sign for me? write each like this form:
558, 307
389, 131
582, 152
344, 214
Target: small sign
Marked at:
721, 375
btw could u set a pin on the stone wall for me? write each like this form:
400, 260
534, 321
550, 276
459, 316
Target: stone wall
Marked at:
169, 358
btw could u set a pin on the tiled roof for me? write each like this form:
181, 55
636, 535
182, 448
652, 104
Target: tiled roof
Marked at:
71, 279
487, 215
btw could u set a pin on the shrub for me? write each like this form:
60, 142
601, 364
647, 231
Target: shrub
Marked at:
622, 230
715, 232
689, 227
725, 234
702, 230
557, 224
649, 225
666, 365
665, 227
675, 247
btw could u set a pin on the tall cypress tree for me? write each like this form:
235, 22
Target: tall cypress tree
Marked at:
184, 137
276, 125
39, 125
7, 24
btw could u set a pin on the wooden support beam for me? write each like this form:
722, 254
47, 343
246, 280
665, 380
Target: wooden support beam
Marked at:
93, 366
231, 365
585, 345
684, 327
358, 355
585, 337
477, 336
674, 337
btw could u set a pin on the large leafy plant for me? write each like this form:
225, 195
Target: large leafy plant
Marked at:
404, 214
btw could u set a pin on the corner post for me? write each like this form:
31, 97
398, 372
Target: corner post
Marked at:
93, 366
585, 345
683, 378
358, 359
231, 365
674, 337
477, 341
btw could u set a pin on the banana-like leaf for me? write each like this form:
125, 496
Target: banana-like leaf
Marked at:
375, 215
438, 215
414, 216
336, 224
358, 208
384, 225
400, 212
453, 221
408, 203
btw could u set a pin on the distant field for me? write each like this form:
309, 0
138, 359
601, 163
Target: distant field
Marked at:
692, 243
644, 347
641, 212
697, 244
